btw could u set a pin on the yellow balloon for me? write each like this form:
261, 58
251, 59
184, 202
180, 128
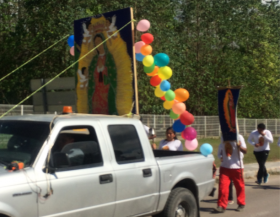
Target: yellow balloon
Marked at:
168, 104
164, 72
159, 92
148, 60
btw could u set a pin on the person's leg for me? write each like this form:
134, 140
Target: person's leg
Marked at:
258, 156
262, 156
223, 187
265, 174
230, 196
239, 184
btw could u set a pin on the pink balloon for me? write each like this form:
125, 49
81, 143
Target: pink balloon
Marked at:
72, 51
143, 25
138, 46
191, 145
190, 133
178, 108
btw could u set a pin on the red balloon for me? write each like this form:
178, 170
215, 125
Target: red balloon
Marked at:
186, 118
163, 98
148, 38
155, 81
182, 134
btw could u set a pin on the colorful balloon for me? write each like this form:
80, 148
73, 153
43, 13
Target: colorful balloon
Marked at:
146, 49
138, 46
165, 85
182, 94
161, 59
158, 92
173, 115
162, 98
139, 57
72, 51
149, 69
165, 72
148, 38
178, 108
148, 60
182, 135
186, 117
154, 72
206, 149
143, 25
191, 145
70, 40
178, 126
155, 81
169, 95
168, 104
189, 133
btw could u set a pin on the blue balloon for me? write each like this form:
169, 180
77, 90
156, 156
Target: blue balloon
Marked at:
165, 85
206, 149
178, 126
139, 57
161, 59
70, 40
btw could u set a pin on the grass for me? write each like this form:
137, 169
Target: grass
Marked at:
274, 154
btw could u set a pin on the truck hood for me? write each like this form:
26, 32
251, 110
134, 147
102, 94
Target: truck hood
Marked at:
12, 178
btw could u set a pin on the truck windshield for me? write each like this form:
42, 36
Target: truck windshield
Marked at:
21, 140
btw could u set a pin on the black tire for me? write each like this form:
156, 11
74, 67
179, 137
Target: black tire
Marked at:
182, 201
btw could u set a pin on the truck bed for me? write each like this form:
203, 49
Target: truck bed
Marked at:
164, 153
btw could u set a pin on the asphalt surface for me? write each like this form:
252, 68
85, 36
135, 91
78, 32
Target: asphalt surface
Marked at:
261, 200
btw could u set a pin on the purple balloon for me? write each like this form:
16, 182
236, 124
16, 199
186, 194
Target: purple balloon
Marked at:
190, 133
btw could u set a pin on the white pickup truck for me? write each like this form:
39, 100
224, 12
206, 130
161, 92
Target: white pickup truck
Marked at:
96, 166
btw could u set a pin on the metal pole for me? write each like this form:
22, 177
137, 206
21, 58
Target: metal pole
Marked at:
205, 134
21, 109
244, 125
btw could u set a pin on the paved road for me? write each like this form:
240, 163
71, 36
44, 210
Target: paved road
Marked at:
261, 200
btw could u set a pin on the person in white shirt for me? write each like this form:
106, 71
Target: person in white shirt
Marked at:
171, 142
261, 138
231, 168
150, 133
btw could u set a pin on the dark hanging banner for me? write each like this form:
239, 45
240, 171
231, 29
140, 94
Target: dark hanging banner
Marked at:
227, 103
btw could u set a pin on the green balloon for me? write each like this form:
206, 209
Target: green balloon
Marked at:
173, 115
169, 95
149, 69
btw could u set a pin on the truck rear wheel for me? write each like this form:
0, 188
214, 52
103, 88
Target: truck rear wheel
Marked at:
181, 203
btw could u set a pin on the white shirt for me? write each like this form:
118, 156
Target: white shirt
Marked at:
254, 139
235, 161
147, 129
174, 145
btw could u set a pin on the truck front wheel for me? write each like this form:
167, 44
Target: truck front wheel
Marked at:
181, 203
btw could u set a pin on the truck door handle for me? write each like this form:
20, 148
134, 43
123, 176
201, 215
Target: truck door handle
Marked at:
147, 172
104, 179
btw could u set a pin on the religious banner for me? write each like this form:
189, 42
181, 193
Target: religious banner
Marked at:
106, 78
227, 105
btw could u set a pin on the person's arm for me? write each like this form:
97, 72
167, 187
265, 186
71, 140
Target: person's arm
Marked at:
268, 136
242, 147
250, 139
152, 136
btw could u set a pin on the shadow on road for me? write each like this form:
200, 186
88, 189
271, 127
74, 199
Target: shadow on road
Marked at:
210, 201
264, 187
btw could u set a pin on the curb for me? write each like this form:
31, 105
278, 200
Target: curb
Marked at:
253, 173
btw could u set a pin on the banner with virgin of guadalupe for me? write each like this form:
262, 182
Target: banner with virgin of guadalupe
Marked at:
227, 105
106, 77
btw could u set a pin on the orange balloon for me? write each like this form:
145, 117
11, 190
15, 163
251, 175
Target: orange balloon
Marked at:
146, 50
153, 73
181, 94
178, 108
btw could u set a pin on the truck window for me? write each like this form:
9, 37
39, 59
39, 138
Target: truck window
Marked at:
21, 140
76, 148
126, 144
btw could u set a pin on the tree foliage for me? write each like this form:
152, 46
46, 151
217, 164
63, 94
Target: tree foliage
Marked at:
209, 42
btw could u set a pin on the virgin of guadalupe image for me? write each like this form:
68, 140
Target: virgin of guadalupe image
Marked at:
102, 80
228, 149
229, 111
